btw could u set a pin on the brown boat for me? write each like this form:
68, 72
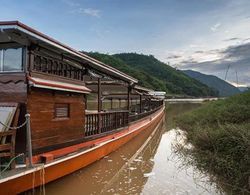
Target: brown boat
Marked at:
47, 127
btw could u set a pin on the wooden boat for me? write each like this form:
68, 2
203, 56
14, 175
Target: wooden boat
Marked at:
48, 85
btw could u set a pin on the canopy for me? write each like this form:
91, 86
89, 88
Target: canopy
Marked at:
56, 85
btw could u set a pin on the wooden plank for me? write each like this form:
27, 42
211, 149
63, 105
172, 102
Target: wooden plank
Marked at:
48, 130
5, 154
4, 147
6, 133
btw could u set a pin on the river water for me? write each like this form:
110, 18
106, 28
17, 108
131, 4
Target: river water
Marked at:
142, 166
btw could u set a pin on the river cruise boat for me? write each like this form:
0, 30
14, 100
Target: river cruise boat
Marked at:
61, 110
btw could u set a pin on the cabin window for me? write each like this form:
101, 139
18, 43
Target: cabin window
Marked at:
61, 110
11, 60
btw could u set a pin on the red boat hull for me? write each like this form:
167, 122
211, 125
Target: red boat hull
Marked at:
52, 171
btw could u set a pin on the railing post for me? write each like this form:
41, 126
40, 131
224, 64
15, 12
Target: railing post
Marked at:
99, 105
99, 95
28, 136
128, 98
99, 122
115, 120
140, 103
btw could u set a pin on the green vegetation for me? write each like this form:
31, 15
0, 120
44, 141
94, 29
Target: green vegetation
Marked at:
144, 78
154, 74
220, 134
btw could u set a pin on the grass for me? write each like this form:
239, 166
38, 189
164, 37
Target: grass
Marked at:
220, 134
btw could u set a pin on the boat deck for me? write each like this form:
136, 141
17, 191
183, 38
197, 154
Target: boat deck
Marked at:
23, 170
20, 180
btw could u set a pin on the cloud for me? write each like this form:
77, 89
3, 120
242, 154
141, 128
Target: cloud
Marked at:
71, 3
199, 52
232, 39
173, 56
195, 46
215, 27
239, 51
246, 40
236, 57
237, 84
77, 9
90, 12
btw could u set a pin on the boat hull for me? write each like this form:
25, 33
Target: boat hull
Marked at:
43, 174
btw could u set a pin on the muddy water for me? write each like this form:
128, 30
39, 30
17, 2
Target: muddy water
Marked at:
142, 166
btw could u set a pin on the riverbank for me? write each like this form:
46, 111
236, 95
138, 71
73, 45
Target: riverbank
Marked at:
220, 134
190, 100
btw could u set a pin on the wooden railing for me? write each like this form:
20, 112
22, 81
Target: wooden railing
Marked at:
54, 66
96, 123
136, 116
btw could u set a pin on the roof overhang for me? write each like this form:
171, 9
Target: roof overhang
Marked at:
35, 35
141, 89
55, 85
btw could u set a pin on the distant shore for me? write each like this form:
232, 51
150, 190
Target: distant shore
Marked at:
190, 100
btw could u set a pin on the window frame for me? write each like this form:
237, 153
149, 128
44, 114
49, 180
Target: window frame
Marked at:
57, 105
23, 60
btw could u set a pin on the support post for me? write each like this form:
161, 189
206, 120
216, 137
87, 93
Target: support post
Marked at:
99, 105
99, 96
28, 136
30, 61
111, 102
128, 98
140, 103
86, 102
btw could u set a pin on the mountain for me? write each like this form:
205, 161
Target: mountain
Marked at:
154, 74
224, 88
243, 89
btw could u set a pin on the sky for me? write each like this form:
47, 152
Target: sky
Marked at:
209, 36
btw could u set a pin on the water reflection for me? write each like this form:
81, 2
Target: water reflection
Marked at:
121, 172
142, 166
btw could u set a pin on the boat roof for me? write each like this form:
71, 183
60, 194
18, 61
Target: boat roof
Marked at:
143, 89
39, 38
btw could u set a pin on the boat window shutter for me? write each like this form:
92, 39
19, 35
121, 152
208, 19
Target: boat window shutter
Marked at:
61, 110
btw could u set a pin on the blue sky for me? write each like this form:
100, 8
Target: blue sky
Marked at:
192, 34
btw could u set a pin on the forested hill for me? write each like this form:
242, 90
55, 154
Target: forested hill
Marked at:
154, 74
224, 88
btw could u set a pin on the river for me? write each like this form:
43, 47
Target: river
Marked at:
142, 166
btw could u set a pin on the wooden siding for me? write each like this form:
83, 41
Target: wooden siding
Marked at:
48, 130
13, 87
